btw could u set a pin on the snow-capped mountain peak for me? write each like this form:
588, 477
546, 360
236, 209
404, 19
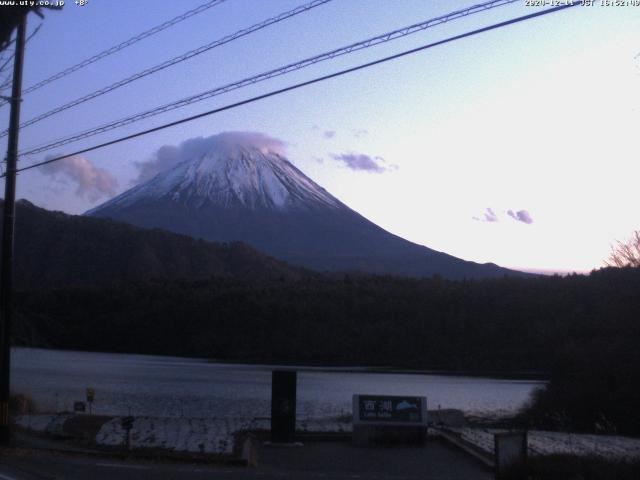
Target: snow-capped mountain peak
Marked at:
233, 176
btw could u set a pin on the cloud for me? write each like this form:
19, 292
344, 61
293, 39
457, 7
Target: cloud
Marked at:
91, 182
329, 134
168, 156
361, 161
521, 216
361, 132
488, 216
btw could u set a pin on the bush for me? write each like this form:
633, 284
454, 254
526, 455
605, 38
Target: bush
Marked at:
595, 387
569, 467
21, 404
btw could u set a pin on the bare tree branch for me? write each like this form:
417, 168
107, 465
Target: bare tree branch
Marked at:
625, 254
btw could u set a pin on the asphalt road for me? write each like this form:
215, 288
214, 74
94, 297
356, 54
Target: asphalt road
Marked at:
314, 460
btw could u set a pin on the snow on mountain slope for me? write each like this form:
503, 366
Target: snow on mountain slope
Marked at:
233, 176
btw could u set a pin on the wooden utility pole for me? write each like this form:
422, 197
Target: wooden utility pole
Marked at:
8, 223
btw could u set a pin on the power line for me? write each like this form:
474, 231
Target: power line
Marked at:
7, 44
386, 37
306, 83
7, 82
4, 65
33, 34
181, 58
123, 45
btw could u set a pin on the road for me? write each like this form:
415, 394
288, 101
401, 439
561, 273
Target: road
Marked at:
316, 460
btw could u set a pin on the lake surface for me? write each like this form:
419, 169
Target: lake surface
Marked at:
174, 387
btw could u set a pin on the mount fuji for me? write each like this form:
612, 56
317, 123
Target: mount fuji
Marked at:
253, 194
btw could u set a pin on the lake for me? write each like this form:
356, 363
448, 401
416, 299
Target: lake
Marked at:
145, 385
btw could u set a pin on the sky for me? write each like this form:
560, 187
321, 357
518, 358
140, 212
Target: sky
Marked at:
517, 146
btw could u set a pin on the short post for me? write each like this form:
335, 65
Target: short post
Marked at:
510, 449
127, 425
90, 396
283, 406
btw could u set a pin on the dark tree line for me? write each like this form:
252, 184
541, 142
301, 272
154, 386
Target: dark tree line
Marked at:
582, 330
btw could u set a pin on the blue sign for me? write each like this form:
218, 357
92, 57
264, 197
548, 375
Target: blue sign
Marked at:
390, 409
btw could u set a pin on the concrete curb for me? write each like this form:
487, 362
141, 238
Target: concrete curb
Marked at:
454, 439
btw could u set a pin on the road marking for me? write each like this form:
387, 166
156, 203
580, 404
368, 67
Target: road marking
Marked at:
120, 465
202, 470
5, 477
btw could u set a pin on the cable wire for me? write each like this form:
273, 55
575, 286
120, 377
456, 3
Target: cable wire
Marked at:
181, 58
4, 65
123, 45
31, 35
306, 83
386, 37
7, 81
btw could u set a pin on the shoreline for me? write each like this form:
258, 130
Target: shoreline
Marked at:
220, 436
324, 368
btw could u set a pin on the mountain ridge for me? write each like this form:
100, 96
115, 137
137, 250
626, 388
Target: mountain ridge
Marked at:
54, 248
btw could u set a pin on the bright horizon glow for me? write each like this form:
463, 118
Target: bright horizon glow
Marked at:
540, 116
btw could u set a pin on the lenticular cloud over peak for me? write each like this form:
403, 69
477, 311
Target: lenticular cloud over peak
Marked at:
224, 143
228, 142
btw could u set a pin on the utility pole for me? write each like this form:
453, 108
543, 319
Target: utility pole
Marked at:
8, 223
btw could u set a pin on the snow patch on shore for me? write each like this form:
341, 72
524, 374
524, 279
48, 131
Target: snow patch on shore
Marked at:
198, 435
553, 443
216, 435
193, 435
50, 424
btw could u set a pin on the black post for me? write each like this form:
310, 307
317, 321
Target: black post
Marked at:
8, 223
283, 406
